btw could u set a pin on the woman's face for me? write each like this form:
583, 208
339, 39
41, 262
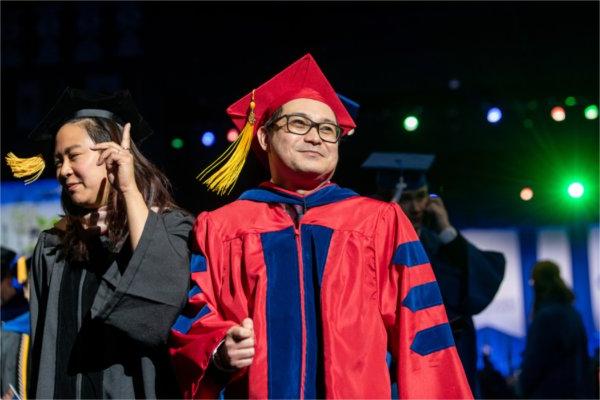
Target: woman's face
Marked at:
82, 179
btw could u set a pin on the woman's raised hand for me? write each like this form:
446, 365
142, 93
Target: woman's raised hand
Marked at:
119, 162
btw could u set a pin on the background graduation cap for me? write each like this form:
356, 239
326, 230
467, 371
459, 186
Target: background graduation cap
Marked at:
391, 167
76, 103
352, 108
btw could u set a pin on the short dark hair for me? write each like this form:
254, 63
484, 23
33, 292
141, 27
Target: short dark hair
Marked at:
274, 117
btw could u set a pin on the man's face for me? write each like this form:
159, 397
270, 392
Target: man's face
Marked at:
414, 203
300, 161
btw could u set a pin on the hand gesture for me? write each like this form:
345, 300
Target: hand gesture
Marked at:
237, 350
437, 210
119, 162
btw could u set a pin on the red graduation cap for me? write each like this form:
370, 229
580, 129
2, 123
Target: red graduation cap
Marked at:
301, 80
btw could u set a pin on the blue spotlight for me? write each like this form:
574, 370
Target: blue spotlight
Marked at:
494, 115
208, 138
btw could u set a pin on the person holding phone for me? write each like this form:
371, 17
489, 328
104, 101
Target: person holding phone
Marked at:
468, 277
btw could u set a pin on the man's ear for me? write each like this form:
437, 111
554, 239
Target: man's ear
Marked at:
263, 138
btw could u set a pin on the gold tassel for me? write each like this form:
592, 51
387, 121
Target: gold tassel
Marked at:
22, 367
21, 269
231, 162
22, 167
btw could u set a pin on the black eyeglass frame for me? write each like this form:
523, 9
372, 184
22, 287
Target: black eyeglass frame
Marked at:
338, 129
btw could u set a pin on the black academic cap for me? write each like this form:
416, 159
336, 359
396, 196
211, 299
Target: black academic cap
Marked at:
390, 166
75, 103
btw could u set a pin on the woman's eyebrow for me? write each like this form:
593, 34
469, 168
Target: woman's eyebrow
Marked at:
69, 149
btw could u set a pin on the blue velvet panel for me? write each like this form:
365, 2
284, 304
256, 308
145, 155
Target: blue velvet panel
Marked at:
432, 339
423, 296
315, 247
198, 263
284, 319
184, 323
410, 254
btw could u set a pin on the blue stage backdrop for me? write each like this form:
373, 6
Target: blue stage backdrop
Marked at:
26, 210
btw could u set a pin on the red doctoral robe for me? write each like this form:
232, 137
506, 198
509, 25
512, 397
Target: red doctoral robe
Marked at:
329, 296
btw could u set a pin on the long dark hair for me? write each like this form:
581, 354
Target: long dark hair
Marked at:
152, 183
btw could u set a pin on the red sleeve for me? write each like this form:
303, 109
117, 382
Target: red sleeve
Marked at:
201, 326
419, 336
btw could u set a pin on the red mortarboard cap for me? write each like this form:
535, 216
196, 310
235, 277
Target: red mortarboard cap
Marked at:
301, 80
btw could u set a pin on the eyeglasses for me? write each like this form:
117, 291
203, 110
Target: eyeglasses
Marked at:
300, 125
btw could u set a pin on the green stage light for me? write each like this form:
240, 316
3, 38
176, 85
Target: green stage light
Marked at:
576, 190
177, 143
570, 101
411, 123
591, 112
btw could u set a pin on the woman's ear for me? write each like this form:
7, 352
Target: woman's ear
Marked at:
263, 138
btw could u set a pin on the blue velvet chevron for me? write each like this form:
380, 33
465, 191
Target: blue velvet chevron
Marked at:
410, 254
432, 339
423, 296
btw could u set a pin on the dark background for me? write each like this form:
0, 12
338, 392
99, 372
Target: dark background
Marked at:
186, 62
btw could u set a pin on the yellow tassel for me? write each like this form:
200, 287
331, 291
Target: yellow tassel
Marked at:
21, 270
22, 167
231, 162
22, 367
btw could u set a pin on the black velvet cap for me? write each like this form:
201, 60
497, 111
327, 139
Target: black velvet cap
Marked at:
76, 103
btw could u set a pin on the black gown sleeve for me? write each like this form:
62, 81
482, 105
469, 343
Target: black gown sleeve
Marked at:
483, 272
145, 300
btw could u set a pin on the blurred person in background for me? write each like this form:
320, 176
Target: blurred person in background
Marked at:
556, 364
15, 324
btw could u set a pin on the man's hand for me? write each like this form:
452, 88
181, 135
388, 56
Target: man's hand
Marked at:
437, 210
237, 350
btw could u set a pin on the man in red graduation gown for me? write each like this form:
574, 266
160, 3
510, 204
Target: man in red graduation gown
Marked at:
300, 287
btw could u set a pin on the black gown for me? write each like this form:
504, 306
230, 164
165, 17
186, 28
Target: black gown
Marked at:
99, 329
469, 279
556, 364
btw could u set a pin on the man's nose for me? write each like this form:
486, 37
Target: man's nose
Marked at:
312, 135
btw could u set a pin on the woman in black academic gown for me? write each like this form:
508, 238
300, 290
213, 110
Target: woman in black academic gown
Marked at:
110, 277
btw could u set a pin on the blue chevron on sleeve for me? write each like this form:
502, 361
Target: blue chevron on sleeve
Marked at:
198, 263
410, 254
184, 323
432, 339
194, 290
423, 296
